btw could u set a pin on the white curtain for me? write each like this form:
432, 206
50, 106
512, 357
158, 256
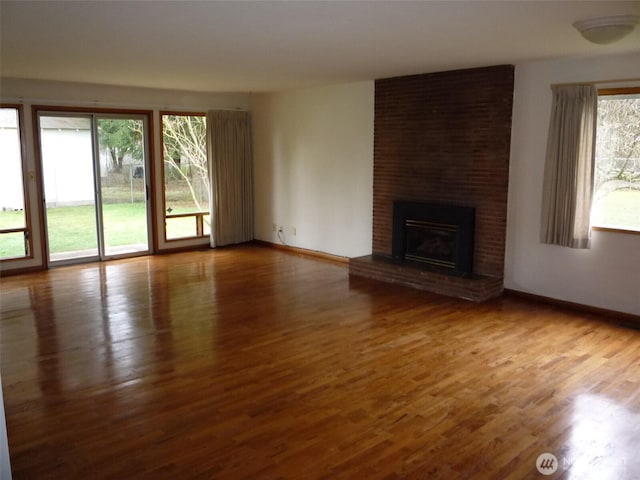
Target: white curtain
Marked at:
569, 167
231, 172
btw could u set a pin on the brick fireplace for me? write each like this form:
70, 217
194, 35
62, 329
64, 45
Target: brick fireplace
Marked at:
443, 138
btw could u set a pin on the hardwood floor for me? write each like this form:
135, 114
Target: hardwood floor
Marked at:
254, 363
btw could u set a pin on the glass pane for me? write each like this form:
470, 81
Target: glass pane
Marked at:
12, 214
206, 219
185, 227
67, 160
123, 185
186, 177
13, 245
181, 227
616, 201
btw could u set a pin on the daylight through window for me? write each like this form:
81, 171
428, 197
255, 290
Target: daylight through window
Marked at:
14, 231
616, 199
186, 176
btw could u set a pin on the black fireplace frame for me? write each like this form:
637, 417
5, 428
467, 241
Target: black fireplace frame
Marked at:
462, 217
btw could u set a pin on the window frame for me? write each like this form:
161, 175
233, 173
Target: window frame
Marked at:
199, 216
26, 177
603, 92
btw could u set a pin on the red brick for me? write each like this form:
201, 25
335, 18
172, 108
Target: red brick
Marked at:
445, 138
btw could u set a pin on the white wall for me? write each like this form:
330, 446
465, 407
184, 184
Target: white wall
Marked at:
606, 276
67, 167
313, 157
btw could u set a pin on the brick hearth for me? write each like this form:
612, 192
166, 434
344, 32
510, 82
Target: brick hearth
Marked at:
477, 288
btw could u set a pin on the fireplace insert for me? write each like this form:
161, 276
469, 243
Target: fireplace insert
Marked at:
437, 237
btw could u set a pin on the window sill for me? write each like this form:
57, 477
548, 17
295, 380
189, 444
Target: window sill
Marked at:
627, 230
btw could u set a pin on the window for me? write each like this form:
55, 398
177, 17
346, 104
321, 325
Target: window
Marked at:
185, 175
15, 240
616, 198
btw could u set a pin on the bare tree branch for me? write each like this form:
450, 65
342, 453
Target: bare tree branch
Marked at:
184, 140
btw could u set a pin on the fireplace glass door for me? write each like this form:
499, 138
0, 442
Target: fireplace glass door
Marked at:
432, 243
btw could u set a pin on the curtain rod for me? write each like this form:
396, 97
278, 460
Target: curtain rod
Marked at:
598, 82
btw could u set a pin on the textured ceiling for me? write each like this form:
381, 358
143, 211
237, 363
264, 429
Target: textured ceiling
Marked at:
242, 46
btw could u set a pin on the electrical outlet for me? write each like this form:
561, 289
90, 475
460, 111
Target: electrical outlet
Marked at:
293, 231
274, 227
280, 229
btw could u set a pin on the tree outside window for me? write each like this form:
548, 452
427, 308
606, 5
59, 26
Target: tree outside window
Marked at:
616, 202
186, 175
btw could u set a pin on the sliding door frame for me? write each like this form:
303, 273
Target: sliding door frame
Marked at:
95, 113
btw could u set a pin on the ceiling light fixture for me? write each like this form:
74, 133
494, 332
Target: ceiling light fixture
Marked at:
604, 30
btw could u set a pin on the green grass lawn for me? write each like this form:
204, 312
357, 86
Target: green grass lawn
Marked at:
11, 244
74, 228
620, 208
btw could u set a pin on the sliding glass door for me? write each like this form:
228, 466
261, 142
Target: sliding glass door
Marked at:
66, 146
95, 186
123, 185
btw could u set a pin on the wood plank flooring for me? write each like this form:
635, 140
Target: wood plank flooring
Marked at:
253, 363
